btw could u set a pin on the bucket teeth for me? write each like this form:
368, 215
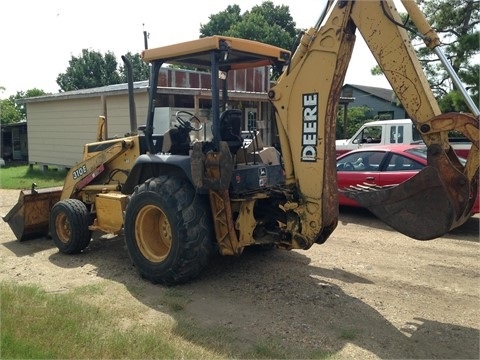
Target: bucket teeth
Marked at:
363, 188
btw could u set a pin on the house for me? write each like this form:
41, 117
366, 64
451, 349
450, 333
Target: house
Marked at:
59, 125
381, 101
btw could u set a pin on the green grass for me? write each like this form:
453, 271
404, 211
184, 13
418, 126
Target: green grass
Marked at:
22, 177
35, 324
39, 325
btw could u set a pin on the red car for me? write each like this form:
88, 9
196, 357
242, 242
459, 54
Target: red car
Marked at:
381, 165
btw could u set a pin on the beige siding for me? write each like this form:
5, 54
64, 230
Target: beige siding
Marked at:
58, 130
118, 113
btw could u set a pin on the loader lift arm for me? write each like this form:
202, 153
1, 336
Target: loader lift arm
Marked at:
433, 202
29, 218
89, 168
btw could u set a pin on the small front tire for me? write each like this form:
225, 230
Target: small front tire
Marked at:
69, 221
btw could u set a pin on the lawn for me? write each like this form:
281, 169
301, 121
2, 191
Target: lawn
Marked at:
22, 177
40, 325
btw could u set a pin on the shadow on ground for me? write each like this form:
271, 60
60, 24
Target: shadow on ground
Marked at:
270, 298
277, 298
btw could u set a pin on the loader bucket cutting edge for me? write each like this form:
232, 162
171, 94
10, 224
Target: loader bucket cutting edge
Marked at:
29, 217
419, 207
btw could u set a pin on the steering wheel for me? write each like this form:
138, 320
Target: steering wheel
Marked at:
187, 124
348, 166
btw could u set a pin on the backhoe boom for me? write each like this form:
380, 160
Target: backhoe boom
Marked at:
316, 75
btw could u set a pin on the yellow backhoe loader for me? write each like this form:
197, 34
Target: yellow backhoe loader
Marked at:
177, 201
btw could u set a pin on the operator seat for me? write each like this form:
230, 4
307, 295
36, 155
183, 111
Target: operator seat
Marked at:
230, 129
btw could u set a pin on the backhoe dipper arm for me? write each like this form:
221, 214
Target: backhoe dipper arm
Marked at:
306, 101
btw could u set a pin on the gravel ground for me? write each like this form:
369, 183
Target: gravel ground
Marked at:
367, 293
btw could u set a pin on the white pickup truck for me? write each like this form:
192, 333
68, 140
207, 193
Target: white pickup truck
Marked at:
384, 132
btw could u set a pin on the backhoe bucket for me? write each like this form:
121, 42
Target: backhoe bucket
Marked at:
420, 207
29, 217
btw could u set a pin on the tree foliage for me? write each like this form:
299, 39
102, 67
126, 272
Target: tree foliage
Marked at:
140, 69
356, 115
457, 24
12, 110
94, 69
91, 69
220, 23
266, 23
8, 112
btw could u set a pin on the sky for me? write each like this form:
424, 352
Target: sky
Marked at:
38, 38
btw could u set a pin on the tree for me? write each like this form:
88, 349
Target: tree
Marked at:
356, 115
220, 23
12, 110
8, 112
457, 24
91, 69
140, 69
266, 23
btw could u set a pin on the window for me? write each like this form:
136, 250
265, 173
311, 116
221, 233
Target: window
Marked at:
361, 161
251, 119
396, 134
416, 134
347, 92
371, 134
385, 115
402, 163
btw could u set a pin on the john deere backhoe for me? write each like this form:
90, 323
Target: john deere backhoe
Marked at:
177, 201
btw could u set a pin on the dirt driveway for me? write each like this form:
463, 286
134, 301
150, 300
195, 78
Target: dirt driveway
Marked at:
367, 293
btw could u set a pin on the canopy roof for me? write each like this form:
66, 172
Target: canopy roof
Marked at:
233, 53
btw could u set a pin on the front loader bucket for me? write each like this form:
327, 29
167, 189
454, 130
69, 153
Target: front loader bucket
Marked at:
30, 215
421, 207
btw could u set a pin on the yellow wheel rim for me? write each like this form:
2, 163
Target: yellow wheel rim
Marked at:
63, 228
153, 233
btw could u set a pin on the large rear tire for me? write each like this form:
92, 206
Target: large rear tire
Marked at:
168, 230
69, 221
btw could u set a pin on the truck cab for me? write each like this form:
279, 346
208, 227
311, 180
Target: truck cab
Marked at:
400, 131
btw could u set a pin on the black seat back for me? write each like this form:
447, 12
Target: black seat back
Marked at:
230, 129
